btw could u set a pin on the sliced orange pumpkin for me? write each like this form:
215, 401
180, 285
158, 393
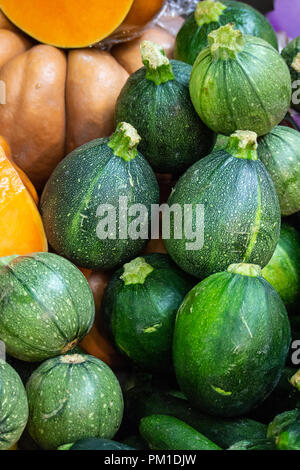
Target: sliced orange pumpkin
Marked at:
21, 226
67, 23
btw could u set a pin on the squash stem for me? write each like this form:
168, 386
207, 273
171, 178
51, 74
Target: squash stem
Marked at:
251, 270
295, 380
208, 12
158, 67
136, 272
226, 42
296, 63
243, 144
124, 141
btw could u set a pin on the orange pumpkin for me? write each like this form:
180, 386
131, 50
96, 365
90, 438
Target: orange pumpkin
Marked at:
21, 226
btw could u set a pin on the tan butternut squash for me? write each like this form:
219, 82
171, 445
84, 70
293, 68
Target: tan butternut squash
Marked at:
11, 45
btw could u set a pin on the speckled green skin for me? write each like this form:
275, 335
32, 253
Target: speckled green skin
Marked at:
46, 306
90, 176
13, 406
192, 38
283, 270
68, 402
241, 214
251, 92
168, 433
173, 136
289, 53
280, 153
141, 317
231, 340
289, 439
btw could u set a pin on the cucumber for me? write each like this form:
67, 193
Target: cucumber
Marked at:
168, 433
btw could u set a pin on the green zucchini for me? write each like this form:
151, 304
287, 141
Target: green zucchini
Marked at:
283, 270
93, 443
233, 84
168, 433
280, 153
231, 340
141, 402
46, 306
260, 444
73, 397
210, 15
87, 201
140, 304
291, 54
156, 101
13, 406
241, 210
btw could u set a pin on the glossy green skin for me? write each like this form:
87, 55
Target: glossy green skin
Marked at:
93, 443
231, 340
141, 317
68, 402
168, 433
90, 176
13, 406
241, 214
224, 432
173, 136
280, 153
192, 38
46, 306
242, 93
283, 270
289, 53
261, 444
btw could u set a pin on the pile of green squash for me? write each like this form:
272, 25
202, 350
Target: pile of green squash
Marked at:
210, 335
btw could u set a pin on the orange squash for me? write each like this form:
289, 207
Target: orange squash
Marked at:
21, 226
6, 24
142, 12
65, 23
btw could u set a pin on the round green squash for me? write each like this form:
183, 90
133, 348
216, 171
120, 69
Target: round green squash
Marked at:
156, 101
210, 15
90, 205
240, 82
284, 430
241, 215
140, 305
283, 270
13, 406
73, 397
231, 340
280, 153
291, 54
46, 306
94, 443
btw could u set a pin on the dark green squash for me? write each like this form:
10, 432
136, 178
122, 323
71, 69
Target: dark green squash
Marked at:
84, 202
240, 82
93, 443
231, 340
283, 270
73, 397
163, 432
280, 153
285, 430
156, 101
210, 15
291, 54
46, 306
140, 305
241, 221
13, 406
260, 444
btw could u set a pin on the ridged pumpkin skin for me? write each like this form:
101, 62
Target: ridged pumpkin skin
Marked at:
241, 214
173, 136
283, 270
13, 406
291, 54
73, 397
90, 176
280, 153
243, 92
46, 306
231, 340
192, 38
141, 314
